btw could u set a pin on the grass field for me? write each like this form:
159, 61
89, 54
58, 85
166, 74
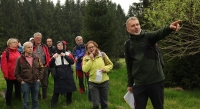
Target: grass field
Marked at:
175, 98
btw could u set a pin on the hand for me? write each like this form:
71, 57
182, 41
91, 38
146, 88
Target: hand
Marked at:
62, 54
55, 55
22, 82
76, 59
103, 70
175, 25
130, 89
91, 56
19, 44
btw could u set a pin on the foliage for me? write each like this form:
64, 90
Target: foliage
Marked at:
64, 22
182, 47
184, 72
100, 25
174, 98
185, 42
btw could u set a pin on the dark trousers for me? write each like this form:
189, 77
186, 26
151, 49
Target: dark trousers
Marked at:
52, 71
55, 96
44, 84
9, 91
99, 93
89, 94
80, 74
153, 91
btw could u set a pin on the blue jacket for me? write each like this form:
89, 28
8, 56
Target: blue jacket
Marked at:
79, 52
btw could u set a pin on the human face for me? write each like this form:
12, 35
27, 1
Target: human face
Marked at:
13, 44
28, 49
38, 39
32, 40
133, 27
65, 46
91, 48
60, 46
79, 41
49, 42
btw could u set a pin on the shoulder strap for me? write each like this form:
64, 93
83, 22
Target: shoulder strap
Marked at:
103, 56
7, 54
74, 49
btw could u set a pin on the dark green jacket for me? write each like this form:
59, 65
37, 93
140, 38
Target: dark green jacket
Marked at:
142, 57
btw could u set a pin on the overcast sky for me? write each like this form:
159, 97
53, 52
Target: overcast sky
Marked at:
124, 3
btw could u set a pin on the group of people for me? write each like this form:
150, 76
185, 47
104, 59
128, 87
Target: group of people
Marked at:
29, 69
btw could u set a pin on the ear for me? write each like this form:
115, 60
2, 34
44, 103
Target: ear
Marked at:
127, 29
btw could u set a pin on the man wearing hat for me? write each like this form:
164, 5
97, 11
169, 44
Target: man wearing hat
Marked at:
31, 40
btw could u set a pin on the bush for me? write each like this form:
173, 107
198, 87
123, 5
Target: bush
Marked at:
184, 72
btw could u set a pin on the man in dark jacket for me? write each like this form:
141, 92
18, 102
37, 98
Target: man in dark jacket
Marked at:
29, 72
145, 74
52, 51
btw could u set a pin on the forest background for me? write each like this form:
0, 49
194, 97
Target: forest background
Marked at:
103, 21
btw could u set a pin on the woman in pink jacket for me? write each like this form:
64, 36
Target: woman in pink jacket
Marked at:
8, 61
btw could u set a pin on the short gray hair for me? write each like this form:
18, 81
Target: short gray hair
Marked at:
131, 18
26, 44
11, 40
78, 37
37, 34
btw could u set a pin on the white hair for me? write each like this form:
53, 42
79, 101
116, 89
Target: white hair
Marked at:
131, 18
26, 44
11, 40
37, 34
78, 37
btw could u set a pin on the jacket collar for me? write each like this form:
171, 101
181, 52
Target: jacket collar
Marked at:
134, 37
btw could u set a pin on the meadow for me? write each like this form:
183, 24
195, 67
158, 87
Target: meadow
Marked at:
175, 98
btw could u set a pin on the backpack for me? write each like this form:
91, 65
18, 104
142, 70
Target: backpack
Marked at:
7, 55
103, 56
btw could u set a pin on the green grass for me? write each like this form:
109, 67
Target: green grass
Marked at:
174, 98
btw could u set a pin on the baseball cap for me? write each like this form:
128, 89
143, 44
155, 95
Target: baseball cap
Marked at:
31, 38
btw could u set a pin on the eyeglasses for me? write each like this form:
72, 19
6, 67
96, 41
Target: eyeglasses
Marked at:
91, 47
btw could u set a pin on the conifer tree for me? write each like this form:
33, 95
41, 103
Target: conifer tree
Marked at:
99, 25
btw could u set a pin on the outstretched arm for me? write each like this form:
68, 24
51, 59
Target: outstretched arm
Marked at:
175, 25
